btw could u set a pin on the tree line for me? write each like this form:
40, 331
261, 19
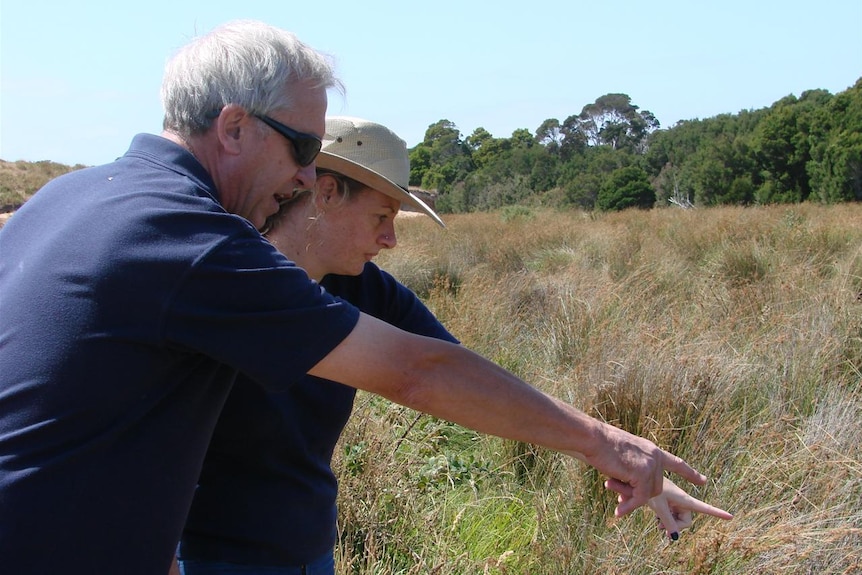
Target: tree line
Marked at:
613, 155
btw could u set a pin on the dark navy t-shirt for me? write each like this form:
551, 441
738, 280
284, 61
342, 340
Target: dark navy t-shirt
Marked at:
129, 300
267, 494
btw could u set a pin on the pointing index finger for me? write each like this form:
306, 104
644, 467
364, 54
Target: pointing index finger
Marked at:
697, 506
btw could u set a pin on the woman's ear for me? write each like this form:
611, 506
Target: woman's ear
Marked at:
326, 191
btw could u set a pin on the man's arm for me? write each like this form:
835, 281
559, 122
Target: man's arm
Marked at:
456, 384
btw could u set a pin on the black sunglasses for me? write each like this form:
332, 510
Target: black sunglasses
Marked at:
305, 146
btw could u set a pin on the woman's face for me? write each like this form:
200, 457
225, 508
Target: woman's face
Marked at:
350, 232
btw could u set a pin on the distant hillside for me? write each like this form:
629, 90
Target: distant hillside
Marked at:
20, 180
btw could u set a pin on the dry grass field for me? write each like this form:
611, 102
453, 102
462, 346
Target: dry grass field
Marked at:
731, 336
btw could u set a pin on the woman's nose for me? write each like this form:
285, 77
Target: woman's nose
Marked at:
388, 239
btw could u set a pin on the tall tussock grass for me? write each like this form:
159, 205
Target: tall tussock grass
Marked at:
731, 336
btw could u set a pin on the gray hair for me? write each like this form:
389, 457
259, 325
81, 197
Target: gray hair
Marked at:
247, 63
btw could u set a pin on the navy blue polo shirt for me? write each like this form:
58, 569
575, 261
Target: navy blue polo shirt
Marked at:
267, 494
129, 300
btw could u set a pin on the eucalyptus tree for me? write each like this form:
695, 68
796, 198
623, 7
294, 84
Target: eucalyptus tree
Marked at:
611, 120
550, 135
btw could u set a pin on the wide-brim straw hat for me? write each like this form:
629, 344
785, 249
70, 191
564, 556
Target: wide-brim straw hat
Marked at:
372, 155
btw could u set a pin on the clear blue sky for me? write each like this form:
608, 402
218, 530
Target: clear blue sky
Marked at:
79, 79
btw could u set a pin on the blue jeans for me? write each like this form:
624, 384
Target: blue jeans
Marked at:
324, 565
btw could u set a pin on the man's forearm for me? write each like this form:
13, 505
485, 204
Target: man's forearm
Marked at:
455, 384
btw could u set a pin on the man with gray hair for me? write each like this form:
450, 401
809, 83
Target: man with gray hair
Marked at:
131, 294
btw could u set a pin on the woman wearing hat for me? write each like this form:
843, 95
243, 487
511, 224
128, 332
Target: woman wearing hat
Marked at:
267, 493
266, 499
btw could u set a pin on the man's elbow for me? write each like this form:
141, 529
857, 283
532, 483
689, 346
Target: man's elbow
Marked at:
418, 377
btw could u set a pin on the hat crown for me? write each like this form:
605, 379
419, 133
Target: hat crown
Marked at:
369, 144
372, 155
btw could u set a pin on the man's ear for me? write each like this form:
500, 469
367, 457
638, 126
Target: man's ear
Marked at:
231, 125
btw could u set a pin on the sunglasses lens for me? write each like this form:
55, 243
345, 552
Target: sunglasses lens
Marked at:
306, 148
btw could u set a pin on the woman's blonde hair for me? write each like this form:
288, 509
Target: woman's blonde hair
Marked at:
347, 188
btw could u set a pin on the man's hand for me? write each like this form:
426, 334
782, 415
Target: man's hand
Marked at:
636, 467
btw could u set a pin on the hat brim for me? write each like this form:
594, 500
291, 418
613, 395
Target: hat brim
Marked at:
375, 181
